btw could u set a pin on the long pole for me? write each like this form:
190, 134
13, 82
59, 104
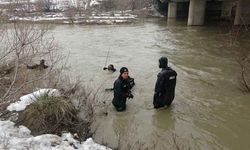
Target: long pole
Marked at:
107, 58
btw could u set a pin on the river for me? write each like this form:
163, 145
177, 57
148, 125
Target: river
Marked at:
208, 112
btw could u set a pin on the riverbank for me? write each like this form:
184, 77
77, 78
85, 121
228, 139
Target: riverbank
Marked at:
51, 118
39, 99
93, 18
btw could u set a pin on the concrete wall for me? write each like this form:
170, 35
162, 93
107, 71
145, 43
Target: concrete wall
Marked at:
196, 12
172, 10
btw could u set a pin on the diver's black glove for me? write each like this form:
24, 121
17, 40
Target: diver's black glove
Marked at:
131, 83
130, 96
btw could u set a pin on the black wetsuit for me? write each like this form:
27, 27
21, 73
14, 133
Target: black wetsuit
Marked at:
165, 87
131, 82
109, 69
121, 93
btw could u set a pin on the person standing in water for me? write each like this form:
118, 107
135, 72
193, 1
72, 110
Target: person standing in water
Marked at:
122, 90
165, 85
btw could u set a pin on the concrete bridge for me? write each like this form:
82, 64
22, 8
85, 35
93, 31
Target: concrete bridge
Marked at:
239, 10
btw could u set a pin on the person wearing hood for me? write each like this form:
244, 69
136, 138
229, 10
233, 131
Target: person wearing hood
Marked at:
122, 90
40, 66
165, 85
110, 68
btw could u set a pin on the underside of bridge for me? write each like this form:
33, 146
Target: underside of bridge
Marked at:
198, 12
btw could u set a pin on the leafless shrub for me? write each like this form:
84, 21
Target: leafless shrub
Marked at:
84, 99
126, 136
4, 142
132, 4
71, 13
44, 5
18, 8
123, 5
108, 5
3, 19
21, 45
241, 56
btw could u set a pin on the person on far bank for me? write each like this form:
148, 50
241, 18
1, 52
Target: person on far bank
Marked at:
165, 85
40, 66
122, 90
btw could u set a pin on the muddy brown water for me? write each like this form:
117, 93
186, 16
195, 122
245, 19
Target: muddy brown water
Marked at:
209, 110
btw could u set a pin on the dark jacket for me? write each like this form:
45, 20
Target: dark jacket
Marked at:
121, 93
165, 87
131, 82
37, 66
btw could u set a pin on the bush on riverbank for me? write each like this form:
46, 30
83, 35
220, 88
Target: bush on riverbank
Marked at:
23, 45
241, 56
50, 114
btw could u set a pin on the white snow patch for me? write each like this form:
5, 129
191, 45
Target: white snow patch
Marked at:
93, 2
15, 138
30, 98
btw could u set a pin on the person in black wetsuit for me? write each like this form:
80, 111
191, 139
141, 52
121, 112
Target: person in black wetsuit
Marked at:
110, 68
122, 90
38, 66
165, 85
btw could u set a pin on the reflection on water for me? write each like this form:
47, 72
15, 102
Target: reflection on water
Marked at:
163, 119
209, 112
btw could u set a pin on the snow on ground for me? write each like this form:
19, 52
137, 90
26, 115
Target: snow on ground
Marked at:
93, 2
30, 98
19, 138
103, 18
112, 17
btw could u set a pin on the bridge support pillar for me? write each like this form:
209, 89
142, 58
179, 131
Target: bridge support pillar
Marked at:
172, 10
226, 10
196, 12
237, 19
242, 15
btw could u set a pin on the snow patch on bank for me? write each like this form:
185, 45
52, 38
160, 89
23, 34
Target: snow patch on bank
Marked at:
19, 138
30, 98
93, 2
103, 18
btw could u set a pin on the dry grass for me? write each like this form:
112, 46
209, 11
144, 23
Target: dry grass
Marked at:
51, 114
